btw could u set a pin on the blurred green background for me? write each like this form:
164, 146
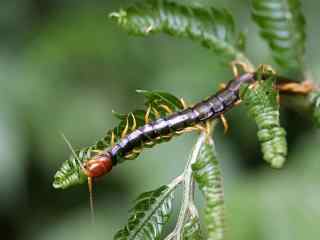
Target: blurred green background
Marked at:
64, 66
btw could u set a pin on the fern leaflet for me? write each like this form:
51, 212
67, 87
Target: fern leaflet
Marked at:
263, 107
213, 28
282, 25
315, 103
207, 174
150, 213
191, 230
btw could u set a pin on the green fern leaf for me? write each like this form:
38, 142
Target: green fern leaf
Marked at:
70, 173
315, 104
207, 174
263, 107
213, 28
191, 229
150, 213
282, 25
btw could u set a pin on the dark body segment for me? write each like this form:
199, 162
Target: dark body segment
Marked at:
166, 127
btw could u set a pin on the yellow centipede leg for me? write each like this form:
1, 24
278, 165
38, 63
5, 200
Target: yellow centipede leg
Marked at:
166, 108
125, 130
200, 127
134, 122
190, 129
238, 102
149, 143
225, 123
156, 112
265, 68
235, 67
222, 86
184, 104
112, 140
131, 156
146, 116
137, 150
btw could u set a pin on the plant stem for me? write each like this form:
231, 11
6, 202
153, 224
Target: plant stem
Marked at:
188, 207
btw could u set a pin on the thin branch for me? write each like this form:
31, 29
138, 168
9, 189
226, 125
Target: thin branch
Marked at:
188, 207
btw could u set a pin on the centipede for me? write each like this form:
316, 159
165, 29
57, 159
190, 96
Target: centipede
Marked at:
167, 127
161, 128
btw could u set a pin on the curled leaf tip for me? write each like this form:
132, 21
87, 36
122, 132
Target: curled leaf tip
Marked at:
119, 16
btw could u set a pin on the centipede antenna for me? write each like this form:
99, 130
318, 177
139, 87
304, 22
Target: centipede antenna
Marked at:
71, 149
90, 185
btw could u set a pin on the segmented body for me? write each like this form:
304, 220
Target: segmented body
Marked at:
174, 124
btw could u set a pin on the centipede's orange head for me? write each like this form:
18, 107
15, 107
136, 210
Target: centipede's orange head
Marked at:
99, 165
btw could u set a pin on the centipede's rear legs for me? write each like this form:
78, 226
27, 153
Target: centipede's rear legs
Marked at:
235, 67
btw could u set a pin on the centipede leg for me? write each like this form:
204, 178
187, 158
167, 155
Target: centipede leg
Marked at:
187, 129
225, 123
112, 140
201, 127
134, 122
125, 130
184, 104
235, 67
146, 116
237, 103
222, 86
166, 108
265, 68
131, 155
156, 112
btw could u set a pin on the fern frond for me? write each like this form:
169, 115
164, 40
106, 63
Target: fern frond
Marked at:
263, 107
213, 28
315, 104
150, 213
206, 172
70, 173
156, 99
282, 25
191, 229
